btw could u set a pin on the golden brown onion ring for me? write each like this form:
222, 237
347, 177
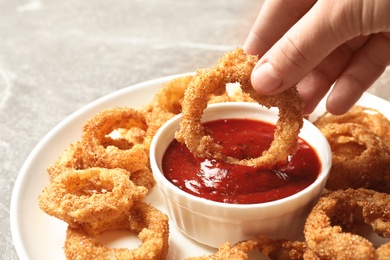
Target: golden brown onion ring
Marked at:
99, 227
73, 158
109, 152
143, 177
155, 119
149, 223
383, 252
91, 195
331, 227
171, 95
273, 248
166, 104
370, 118
360, 159
234, 67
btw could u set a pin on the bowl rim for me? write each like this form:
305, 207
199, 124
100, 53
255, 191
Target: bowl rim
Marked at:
174, 123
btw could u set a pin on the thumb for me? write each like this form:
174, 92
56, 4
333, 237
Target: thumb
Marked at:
320, 31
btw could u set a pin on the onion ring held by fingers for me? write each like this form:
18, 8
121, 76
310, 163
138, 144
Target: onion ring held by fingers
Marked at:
150, 224
168, 103
110, 152
331, 229
234, 67
91, 195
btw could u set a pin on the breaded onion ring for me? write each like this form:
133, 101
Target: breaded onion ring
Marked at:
143, 177
383, 252
171, 95
331, 227
273, 248
166, 104
360, 159
234, 67
91, 195
370, 118
155, 119
110, 152
73, 158
149, 223
99, 227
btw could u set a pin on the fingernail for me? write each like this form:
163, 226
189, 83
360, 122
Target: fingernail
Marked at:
265, 79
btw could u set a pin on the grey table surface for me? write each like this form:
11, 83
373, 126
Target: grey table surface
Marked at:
58, 56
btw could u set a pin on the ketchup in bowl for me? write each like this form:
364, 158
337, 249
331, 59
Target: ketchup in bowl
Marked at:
229, 183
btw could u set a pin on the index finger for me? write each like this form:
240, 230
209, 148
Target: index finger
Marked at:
274, 20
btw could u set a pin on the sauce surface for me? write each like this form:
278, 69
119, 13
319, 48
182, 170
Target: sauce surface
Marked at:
228, 183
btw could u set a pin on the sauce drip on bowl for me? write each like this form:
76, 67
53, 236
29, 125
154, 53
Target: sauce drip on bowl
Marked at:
229, 183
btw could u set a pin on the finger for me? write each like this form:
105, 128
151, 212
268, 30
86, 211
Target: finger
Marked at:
366, 66
273, 21
312, 89
302, 48
317, 83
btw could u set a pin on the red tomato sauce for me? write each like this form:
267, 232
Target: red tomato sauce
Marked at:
228, 183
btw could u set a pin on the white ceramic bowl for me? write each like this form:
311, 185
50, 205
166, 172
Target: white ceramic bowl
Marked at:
214, 223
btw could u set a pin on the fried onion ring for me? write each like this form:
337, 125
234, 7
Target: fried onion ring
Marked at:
383, 252
99, 227
273, 248
73, 158
110, 152
91, 195
368, 117
360, 159
171, 94
155, 119
167, 103
331, 229
234, 67
150, 224
143, 177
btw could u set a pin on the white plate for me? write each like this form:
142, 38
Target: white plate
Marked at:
38, 236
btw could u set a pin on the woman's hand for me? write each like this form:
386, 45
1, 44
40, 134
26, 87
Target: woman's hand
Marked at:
314, 44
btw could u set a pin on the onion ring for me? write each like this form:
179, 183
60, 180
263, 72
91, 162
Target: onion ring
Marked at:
383, 252
370, 118
155, 119
331, 227
91, 195
99, 227
171, 95
360, 159
237, 67
273, 248
166, 104
149, 223
73, 158
143, 177
109, 152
